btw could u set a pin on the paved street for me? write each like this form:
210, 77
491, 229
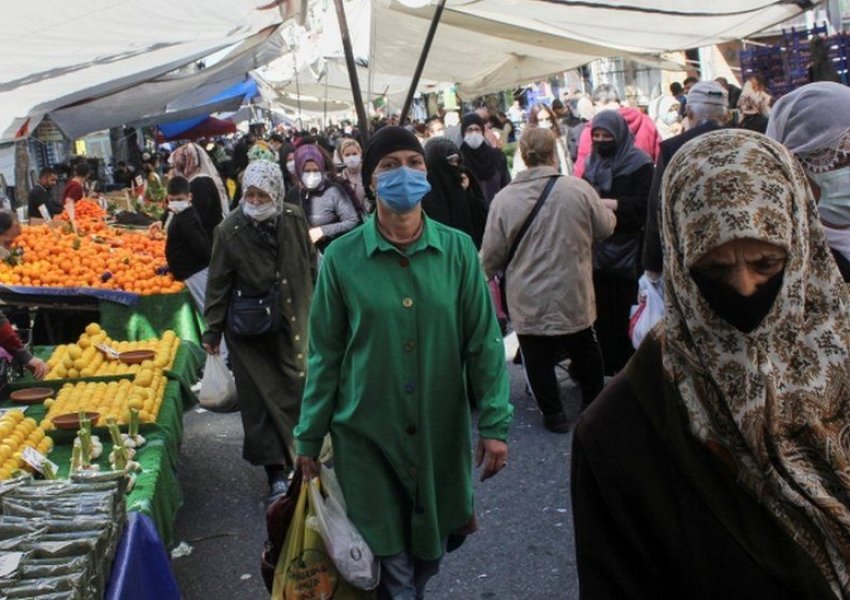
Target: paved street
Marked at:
523, 549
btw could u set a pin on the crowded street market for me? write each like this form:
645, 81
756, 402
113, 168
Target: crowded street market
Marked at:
396, 299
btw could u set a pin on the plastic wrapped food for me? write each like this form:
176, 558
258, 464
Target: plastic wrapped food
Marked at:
52, 567
37, 588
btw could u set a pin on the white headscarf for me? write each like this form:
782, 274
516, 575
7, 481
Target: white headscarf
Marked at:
265, 175
192, 161
813, 122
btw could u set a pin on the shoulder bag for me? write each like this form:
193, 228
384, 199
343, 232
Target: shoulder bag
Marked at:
503, 279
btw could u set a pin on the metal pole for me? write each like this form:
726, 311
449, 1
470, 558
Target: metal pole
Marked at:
325, 116
297, 87
423, 57
352, 73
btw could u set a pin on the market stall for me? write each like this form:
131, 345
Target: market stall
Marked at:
144, 384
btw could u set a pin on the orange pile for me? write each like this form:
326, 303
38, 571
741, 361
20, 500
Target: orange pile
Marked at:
88, 216
113, 259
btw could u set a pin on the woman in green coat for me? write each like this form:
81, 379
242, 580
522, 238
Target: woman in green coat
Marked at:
258, 295
401, 327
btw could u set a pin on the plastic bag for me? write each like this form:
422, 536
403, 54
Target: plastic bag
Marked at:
218, 388
648, 311
304, 570
351, 554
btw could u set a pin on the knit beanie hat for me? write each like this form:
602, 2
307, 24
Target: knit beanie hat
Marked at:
471, 119
385, 141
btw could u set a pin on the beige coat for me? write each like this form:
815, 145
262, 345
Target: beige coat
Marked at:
550, 279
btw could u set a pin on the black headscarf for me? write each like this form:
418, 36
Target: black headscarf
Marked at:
448, 202
484, 160
385, 141
600, 171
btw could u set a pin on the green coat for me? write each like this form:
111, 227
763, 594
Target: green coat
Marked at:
394, 336
269, 370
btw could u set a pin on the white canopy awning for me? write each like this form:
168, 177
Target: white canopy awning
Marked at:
56, 53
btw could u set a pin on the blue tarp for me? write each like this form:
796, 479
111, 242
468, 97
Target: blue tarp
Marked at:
125, 298
246, 89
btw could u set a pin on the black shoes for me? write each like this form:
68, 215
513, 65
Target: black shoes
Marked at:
556, 423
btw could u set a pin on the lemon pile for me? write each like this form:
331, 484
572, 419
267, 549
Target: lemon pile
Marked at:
112, 399
83, 359
16, 433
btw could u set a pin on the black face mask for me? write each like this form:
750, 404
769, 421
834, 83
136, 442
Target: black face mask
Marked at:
605, 149
744, 313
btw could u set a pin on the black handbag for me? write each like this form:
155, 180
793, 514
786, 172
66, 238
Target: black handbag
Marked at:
251, 315
619, 255
502, 279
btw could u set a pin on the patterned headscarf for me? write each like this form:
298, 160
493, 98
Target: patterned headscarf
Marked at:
813, 122
777, 400
192, 161
266, 175
262, 151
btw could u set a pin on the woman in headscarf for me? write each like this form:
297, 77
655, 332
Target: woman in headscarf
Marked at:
622, 175
749, 114
329, 208
488, 165
669, 119
715, 465
258, 296
813, 122
541, 115
208, 193
455, 198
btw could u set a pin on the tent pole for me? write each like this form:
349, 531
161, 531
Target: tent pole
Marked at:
352, 73
423, 57
297, 87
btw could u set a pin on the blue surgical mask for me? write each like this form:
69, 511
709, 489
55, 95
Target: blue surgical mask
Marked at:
402, 189
834, 204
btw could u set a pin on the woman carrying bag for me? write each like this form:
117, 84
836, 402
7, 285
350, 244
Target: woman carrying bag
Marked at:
258, 296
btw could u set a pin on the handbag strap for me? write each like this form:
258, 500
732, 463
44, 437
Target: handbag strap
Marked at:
530, 219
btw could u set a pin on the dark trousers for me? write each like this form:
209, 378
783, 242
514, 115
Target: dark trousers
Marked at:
541, 353
615, 296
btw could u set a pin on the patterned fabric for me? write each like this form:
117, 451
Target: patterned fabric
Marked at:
774, 404
813, 122
191, 161
266, 175
262, 151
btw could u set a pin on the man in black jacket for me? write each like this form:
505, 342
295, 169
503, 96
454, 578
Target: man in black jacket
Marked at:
706, 110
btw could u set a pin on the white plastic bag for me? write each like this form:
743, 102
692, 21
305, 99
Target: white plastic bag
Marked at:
218, 388
648, 311
348, 550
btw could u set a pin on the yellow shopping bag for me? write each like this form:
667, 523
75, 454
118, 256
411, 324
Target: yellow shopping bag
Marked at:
304, 570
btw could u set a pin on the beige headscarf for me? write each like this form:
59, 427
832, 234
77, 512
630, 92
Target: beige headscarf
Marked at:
191, 161
777, 399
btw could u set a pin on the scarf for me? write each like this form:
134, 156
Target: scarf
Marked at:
813, 122
776, 400
191, 161
600, 171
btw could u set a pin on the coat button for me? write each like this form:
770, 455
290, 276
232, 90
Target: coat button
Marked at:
292, 318
301, 373
409, 387
289, 300
407, 302
412, 471
297, 338
411, 430
284, 282
299, 356
409, 346
404, 262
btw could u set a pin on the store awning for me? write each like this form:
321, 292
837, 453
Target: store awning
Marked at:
58, 54
193, 129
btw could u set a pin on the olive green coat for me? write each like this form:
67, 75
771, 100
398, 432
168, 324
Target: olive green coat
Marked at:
269, 369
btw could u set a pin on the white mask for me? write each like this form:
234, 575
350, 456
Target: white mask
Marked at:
352, 161
311, 180
439, 134
290, 166
259, 212
474, 140
178, 206
671, 118
834, 203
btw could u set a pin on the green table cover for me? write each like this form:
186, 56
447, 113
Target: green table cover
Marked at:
157, 491
153, 315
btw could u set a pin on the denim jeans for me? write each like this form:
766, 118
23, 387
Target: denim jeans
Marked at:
404, 577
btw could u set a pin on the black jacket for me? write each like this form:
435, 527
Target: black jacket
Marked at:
187, 246
653, 259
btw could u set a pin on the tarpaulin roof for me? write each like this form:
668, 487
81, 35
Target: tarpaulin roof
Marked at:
489, 45
205, 127
56, 53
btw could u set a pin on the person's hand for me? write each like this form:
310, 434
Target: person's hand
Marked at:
493, 454
212, 349
308, 466
316, 234
37, 367
155, 228
464, 181
610, 204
